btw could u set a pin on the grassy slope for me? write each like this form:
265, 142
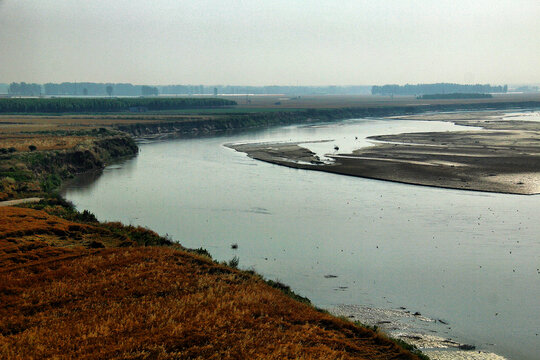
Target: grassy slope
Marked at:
74, 288
61, 296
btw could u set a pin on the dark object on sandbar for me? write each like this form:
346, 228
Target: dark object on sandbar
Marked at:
234, 246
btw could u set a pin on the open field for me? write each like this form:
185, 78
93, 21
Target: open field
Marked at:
347, 101
63, 296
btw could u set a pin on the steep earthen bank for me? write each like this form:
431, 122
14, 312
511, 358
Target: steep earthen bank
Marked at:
88, 156
31, 173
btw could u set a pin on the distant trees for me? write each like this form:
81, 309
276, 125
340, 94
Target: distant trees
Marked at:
91, 89
289, 90
149, 90
127, 89
24, 89
439, 88
528, 89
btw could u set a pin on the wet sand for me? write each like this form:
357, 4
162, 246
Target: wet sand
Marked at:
504, 157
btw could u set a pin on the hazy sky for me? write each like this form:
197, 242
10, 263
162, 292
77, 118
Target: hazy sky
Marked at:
296, 42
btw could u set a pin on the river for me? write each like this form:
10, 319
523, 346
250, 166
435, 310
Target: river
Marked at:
468, 258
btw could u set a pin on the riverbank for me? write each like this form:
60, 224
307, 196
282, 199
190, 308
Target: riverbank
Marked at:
30, 172
503, 157
72, 235
73, 286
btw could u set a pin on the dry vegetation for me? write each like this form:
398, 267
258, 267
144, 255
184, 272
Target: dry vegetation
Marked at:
61, 298
22, 142
66, 131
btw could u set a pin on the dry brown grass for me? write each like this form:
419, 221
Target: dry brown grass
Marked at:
17, 222
78, 122
58, 132
154, 303
31, 237
21, 142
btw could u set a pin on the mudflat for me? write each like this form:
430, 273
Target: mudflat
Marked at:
503, 156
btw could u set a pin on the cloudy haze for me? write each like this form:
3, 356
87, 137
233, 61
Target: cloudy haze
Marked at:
293, 42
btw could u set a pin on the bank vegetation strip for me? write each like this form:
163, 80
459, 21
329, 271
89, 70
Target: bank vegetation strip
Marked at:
88, 105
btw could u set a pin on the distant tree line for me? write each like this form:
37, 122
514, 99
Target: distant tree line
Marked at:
75, 105
455, 96
528, 89
149, 90
265, 90
81, 89
126, 89
24, 89
98, 89
440, 88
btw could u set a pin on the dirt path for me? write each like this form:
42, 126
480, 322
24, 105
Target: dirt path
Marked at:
20, 201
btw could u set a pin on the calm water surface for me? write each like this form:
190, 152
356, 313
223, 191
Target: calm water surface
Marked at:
469, 258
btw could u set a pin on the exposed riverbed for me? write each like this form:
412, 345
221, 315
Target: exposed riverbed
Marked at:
469, 259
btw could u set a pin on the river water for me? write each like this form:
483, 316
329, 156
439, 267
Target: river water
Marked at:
468, 258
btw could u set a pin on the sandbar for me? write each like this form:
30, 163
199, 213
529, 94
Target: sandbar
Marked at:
503, 157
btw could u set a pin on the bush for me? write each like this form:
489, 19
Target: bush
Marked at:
51, 182
200, 251
140, 235
95, 245
234, 262
287, 291
86, 216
